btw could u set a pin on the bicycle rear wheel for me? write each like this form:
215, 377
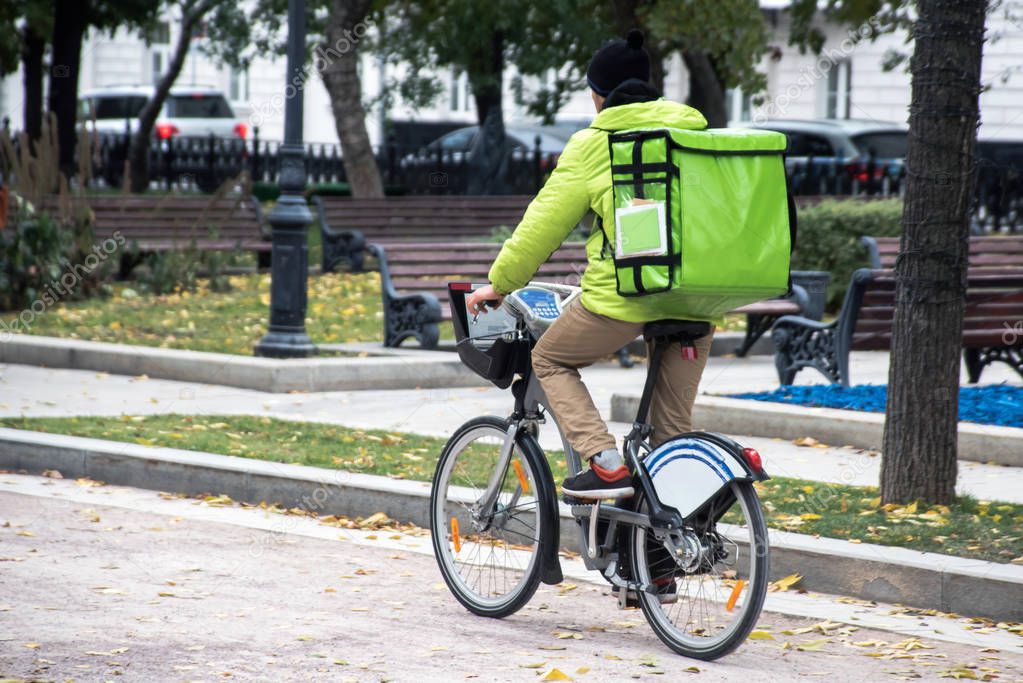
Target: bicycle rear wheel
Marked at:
707, 611
492, 556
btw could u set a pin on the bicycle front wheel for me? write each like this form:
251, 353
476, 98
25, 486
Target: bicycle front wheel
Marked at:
708, 610
490, 552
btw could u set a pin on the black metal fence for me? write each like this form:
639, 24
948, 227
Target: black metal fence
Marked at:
209, 161
205, 163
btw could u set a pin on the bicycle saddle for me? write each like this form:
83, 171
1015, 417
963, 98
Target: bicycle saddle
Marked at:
681, 330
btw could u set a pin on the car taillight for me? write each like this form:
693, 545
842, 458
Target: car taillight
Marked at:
165, 131
857, 171
241, 130
547, 163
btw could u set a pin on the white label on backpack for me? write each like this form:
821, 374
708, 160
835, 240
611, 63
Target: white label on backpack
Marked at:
641, 230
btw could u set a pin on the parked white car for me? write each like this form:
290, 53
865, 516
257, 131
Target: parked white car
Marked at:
189, 111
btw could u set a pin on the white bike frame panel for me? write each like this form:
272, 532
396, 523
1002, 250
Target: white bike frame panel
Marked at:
687, 472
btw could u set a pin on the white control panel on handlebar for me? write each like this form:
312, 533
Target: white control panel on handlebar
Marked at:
539, 304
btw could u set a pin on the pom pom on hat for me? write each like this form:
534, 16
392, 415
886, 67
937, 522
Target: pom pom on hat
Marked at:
618, 61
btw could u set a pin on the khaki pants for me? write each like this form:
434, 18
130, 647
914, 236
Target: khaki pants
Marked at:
579, 338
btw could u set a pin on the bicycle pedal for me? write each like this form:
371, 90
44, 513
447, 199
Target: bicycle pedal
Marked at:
631, 599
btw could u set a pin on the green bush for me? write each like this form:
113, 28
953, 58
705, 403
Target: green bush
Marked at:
44, 260
169, 272
265, 192
329, 190
829, 234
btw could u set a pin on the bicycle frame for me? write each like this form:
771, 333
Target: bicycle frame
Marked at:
532, 409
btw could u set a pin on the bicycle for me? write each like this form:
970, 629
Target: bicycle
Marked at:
690, 547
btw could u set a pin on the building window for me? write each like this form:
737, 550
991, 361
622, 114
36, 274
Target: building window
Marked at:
738, 105
160, 34
839, 87
239, 86
454, 89
459, 91
157, 66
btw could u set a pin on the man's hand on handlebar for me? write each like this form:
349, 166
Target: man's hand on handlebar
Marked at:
478, 301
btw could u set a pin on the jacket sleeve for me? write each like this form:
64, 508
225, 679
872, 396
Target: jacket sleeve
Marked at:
549, 218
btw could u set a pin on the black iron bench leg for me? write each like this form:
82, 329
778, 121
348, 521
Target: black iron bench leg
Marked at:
127, 264
974, 365
978, 359
756, 327
338, 249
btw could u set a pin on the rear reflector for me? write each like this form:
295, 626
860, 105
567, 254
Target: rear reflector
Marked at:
753, 459
460, 286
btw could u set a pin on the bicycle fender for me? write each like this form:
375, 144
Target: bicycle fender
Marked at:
551, 573
690, 469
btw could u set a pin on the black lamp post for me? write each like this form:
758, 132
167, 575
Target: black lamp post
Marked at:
290, 217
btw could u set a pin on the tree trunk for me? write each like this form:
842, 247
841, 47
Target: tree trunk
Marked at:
32, 80
486, 76
69, 24
921, 422
138, 154
706, 93
338, 61
487, 160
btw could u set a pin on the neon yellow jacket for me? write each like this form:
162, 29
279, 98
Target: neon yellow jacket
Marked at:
582, 181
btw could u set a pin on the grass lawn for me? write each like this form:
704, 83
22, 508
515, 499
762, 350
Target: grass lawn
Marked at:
342, 307
988, 530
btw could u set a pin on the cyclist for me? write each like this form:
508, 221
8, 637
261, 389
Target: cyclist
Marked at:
600, 321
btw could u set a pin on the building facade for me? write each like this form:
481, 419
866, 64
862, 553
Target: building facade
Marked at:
846, 81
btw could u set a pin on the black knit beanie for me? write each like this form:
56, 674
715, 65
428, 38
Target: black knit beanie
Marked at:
618, 61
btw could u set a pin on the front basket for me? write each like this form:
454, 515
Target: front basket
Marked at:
490, 356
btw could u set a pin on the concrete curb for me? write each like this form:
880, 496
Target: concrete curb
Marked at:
979, 443
405, 371
868, 572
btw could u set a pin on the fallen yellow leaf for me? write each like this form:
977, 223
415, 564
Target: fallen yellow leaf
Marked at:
785, 583
760, 635
812, 645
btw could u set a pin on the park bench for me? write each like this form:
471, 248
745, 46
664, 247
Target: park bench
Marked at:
985, 252
347, 225
158, 223
414, 280
414, 277
994, 300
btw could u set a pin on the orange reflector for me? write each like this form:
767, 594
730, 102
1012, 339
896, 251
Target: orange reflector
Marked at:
521, 475
455, 538
739, 585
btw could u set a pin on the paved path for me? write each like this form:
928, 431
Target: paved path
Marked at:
110, 583
28, 390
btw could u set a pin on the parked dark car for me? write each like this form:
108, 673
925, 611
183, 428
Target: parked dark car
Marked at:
520, 140
860, 151
999, 186
445, 160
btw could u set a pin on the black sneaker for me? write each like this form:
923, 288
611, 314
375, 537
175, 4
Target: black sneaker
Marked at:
597, 483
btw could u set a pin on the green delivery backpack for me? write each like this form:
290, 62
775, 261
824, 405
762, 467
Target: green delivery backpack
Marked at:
702, 215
